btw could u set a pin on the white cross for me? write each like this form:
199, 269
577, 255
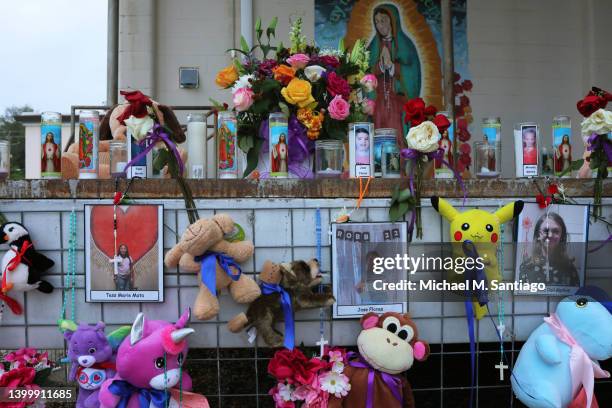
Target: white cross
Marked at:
501, 366
322, 343
547, 269
501, 328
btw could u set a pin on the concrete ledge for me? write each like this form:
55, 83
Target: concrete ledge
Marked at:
288, 188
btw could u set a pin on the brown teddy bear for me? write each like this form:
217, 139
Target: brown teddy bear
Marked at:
297, 279
113, 127
388, 345
203, 246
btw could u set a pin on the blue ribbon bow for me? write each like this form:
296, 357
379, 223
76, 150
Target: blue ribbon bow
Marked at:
146, 396
285, 298
208, 269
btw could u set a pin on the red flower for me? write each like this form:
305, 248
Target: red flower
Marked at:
464, 101
117, 198
430, 110
590, 104
18, 378
330, 61
294, 367
138, 103
465, 159
458, 89
465, 148
336, 85
462, 124
441, 122
543, 201
553, 189
459, 111
467, 85
463, 135
415, 111
456, 77
460, 167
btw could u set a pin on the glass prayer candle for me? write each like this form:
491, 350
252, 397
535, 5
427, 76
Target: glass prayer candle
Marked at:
390, 160
562, 147
89, 123
227, 160
118, 158
487, 159
278, 139
441, 170
5, 160
196, 145
382, 137
51, 145
329, 157
361, 152
546, 162
526, 155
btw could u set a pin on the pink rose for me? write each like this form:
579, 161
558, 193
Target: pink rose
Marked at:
338, 108
368, 106
298, 61
243, 99
369, 82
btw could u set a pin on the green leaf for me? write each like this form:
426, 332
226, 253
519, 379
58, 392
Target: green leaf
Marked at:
245, 143
394, 213
253, 157
2, 219
284, 108
269, 85
341, 45
403, 208
244, 45
405, 195
161, 160
42, 375
575, 165
258, 24
261, 106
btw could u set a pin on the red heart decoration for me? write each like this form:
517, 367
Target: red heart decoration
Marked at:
137, 228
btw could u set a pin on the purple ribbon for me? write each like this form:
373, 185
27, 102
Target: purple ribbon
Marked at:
598, 247
155, 135
394, 382
414, 156
299, 145
596, 141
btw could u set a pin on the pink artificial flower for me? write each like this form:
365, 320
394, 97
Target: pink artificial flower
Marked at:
278, 395
243, 99
298, 61
368, 106
338, 108
369, 82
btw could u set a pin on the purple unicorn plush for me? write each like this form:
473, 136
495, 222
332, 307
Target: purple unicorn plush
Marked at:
91, 355
149, 364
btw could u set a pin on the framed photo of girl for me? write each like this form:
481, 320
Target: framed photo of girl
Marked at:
124, 264
551, 247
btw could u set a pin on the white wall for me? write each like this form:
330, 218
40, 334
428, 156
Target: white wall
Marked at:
530, 59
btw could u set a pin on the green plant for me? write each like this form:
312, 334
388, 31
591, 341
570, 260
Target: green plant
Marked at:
402, 201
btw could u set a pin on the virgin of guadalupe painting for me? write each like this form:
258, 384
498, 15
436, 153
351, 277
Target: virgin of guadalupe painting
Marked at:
395, 62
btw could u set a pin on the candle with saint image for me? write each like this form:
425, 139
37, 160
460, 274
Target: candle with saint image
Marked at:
278, 128
196, 145
227, 159
562, 147
89, 123
51, 145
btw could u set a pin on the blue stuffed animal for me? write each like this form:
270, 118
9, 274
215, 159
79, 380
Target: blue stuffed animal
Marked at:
557, 365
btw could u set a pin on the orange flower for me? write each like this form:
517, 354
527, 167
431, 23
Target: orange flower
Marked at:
227, 76
313, 121
283, 74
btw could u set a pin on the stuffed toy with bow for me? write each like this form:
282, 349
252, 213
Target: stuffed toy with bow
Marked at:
22, 266
558, 364
482, 229
150, 365
388, 346
208, 247
139, 113
286, 289
92, 357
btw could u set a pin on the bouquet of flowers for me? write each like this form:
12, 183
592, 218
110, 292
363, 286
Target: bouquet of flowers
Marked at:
307, 383
596, 130
25, 368
320, 90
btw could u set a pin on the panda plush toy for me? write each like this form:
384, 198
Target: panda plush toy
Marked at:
21, 266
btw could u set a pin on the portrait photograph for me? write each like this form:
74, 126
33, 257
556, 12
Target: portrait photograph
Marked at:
355, 247
125, 265
361, 141
551, 247
530, 145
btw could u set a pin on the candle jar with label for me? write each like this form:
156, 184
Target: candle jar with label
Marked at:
526, 149
89, 124
51, 145
390, 160
278, 139
562, 147
329, 157
118, 157
196, 145
227, 143
5, 160
382, 137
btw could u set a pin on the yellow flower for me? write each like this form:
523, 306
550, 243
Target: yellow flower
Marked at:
227, 76
298, 92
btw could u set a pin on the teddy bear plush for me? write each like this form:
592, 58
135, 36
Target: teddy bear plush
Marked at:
558, 364
388, 346
113, 126
204, 248
295, 279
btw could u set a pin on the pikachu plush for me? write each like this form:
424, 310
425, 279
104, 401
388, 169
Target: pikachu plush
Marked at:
481, 228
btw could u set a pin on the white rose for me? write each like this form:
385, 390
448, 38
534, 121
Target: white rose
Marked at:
600, 123
314, 72
424, 137
139, 127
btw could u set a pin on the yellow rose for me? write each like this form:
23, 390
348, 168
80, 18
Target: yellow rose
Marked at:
298, 92
227, 76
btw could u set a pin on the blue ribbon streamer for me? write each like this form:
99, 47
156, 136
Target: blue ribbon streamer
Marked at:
146, 396
208, 268
285, 298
